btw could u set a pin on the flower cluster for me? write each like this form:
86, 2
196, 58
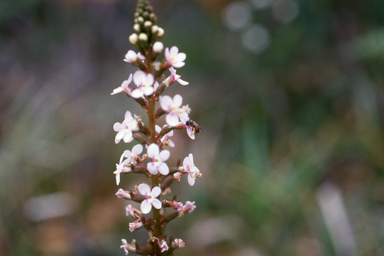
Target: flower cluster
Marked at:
146, 86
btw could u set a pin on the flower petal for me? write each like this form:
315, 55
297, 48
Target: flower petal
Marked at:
128, 136
156, 203
191, 158
166, 103
117, 179
117, 127
164, 169
128, 116
172, 119
137, 93
191, 181
139, 77
153, 150
137, 149
181, 56
177, 100
144, 189
164, 155
119, 136
156, 191
146, 206
152, 168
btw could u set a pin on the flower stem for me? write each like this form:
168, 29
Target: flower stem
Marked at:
154, 179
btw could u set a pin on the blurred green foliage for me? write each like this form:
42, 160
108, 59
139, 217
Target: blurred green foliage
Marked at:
282, 124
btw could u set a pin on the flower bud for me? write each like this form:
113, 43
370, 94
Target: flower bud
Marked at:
133, 38
158, 47
154, 29
136, 27
143, 37
140, 19
147, 24
160, 32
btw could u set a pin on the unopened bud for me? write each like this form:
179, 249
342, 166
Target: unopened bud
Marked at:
147, 24
140, 19
133, 38
143, 37
158, 47
136, 27
160, 32
154, 29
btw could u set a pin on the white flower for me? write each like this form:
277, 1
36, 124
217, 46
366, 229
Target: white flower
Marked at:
122, 166
121, 193
124, 130
165, 139
158, 158
130, 57
150, 195
124, 87
173, 107
175, 77
125, 166
126, 246
193, 171
175, 58
144, 84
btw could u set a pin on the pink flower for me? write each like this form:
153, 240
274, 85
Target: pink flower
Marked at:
175, 77
144, 83
150, 196
173, 107
158, 158
165, 139
124, 87
175, 58
124, 130
193, 171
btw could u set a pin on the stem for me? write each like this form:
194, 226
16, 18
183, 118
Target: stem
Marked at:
154, 179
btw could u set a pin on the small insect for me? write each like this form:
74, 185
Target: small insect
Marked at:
195, 127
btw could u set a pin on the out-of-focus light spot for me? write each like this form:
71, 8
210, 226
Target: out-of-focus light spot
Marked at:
261, 4
285, 11
256, 38
236, 15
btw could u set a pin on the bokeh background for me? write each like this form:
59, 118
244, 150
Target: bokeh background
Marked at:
290, 93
